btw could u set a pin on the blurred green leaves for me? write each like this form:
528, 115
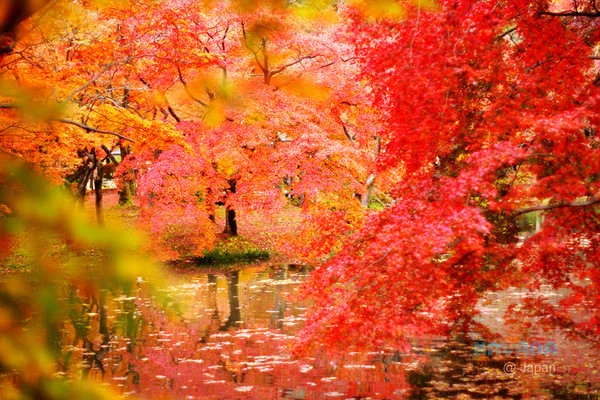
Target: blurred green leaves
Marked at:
71, 261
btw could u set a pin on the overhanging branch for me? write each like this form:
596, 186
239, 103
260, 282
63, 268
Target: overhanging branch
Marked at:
572, 14
547, 207
92, 129
71, 122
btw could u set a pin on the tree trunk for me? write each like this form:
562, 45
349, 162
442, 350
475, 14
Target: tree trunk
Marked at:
230, 215
98, 190
230, 222
210, 205
126, 194
366, 199
129, 185
82, 185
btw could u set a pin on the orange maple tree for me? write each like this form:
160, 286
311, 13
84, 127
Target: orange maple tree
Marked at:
266, 103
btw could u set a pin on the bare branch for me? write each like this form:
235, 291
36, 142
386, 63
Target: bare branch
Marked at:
187, 90
254, 52
79, 124
92, 129
94, 79
547, 207
571, 14
284, 67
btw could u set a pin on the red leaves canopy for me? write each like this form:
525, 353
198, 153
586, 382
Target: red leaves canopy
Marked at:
492, 107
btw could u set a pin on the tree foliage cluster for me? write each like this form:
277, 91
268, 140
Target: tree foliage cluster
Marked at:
206, 105
493, 111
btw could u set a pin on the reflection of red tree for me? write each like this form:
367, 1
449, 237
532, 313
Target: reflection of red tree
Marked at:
191, 357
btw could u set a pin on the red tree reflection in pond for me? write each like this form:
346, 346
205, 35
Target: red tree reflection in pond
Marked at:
231, 333
242, 350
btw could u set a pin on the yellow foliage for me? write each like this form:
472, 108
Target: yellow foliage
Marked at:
380, 9
307, 89
317, 9
215, 114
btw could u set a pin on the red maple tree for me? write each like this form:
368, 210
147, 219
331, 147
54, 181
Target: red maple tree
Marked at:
492, 108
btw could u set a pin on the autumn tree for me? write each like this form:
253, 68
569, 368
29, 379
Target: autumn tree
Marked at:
66, 100
261, 97
492, 109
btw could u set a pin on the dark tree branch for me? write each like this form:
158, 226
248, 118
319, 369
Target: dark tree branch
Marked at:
506, 32
284, 67
572, 163
254, 52
94, 79
71, 122
547, 207
172, 112
92, 129
347, 131
187, 89
327, 65
572, 14
109, 155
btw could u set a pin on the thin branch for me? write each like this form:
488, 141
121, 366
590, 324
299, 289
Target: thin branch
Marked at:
577, 169
92, 129
571, 14
224, 37
187, 90
346, 130
284, 67
327, 65
17, 156
546, 207
254, 53
94, 79
173, 114
506, 32
79, 124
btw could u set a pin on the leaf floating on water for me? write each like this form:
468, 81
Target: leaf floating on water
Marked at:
244, 388
192, 361
305, 368
357, 366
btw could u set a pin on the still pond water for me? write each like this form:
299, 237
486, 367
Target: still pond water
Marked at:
231, 333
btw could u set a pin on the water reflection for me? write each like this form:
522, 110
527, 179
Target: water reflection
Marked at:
230, 338
233, 279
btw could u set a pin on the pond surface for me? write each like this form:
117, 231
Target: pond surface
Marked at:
230, 337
